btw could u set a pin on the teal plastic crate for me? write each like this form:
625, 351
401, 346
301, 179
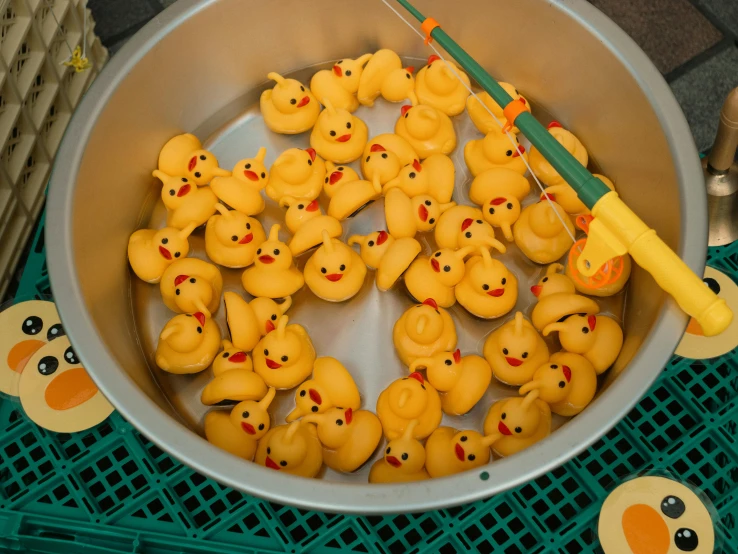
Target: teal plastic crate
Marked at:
110, 490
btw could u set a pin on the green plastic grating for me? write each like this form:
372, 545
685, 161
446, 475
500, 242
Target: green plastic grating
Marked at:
110, 490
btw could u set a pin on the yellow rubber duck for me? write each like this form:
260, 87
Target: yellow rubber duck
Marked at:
540, 165
334, 272
517, 423
232, 238
567, 383
557, 298
273, 274
449, 451
234, 379
488, 289
340, 84
184, 156
249, 321
434, 176
479, 233
428, 130
385, 75
242, 190
568, 199
190, 285
407, 399
284, 358
436, 276
293, 448
403, 460
384, 156
462, 381
599, 338
297, 173
481, 118
331, 385
239, 431
389, 256
338, 136
151, 251
185, 202
443, 85
187, 344
499, 192
514, 351
336, 177
540, 233
423, 330
349, 437
407, 216
354, 196
306, 222
495, 150
449, 226
288, 108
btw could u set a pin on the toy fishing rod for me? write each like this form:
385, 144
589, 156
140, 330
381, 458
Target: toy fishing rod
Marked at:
615, 229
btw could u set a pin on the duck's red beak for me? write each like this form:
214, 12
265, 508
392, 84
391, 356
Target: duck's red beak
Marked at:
304, 102
247, 239
466, 223
423, 213
592, 322
382, 237
430, 302
377, 148
184, 189
343, 138
269, 326
349, 415
435, 265
335, 177
553, 124
394, 462
497, 201
496, 292
502, 428
313, 206
270, 463
237, 357
179, 279
457, 355
522, 100
513, 361
536, 290
200, 317
266, 259
315, 396
405, 109
311, 152
338, 71
459, 452
271, 364
418, 377
416, 166
248, 428
432, 58
410, 69
518, 151
567, 373
334, 277
551, 197
192, 163
251, 175
166, 254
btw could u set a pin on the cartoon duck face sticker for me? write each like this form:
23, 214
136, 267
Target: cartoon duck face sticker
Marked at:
57, 393
655, 515
695, 344
26, 327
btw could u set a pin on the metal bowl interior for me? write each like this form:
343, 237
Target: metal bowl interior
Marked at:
163, 82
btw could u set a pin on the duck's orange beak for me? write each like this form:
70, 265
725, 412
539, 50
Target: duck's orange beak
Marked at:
518, 151
645, 530
304, 102
21, 353
70, 389
338, 71
695, 328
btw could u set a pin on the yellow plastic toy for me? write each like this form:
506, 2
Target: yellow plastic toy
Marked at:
409, 399
288, 108
518, 423
449, 451
389, 256
334, 272
284, 358
340, 84
422, 331
403, 460
151, 251
428, 130
499, 192
540, 234
515, 351
557, 299
353, 197
331, 385
479, 233
434, 176
568, 199
338, 136
187, 344
385, 75
293, 448
185, 202
495, 150
336, 177
249, 321
436, 277
407, 216
234, 378
184, 156
232, 238
384, 156
480, 116
488, 289
297, 173
307, 222
441, 84
273, 274
461, 381
567, 383
598, 338
239, 431
190, 285
449, 226
349, 437
543, 169
242, 190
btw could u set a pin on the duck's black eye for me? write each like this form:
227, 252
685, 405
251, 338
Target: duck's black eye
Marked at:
323, 270
301, 206
326, 179
177, 292
70, 356
432, 220
407, 75
303, 392
285, 358
165, 241
276, 252
171, 192
504, 281
437, 254
261, 426
411, 175
384, 155
32, 325
258, 251
234, 238
314, 409
713, 284
245, 415
176, 254
339, 422
491, 211
263, 174
686, 540
448, 362
342, 268
371, 243
518, 429
427, 202
199, 330
225, 355
48, 365
248, 166
585, 330
544, 279
525, 355
554, 366
472, 457
508, 153
55, 331
405, 456
302, 89
463, 438
388, 450
348, 125
184, 179
333, 133
468, 234
503, 416
266, 352
672, 507
193, 280
269, 450
293, 101
203, 158
274, 317
505, 351
348, 73
283, 463
198, 174
340, 168
509, 205
486, 287
367, 158
310, 162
